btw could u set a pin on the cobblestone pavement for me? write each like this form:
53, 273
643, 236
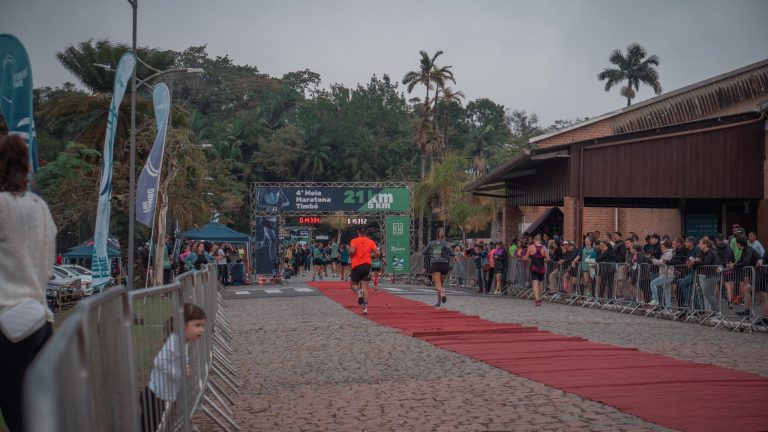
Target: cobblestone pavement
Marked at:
743, 351
309, 365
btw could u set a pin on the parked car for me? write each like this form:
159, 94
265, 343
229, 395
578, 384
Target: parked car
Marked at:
62, 290
75, 271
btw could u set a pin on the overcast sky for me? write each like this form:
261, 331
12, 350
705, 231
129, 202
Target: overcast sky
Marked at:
540, 56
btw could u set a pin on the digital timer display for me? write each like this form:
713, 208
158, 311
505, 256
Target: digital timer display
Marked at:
357, 221
309, 220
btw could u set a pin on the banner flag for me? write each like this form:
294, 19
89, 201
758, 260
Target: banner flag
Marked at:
100, 263
398, 241
149, 180
16, 93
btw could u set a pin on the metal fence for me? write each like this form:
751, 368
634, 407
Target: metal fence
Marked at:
127, 361
708, 295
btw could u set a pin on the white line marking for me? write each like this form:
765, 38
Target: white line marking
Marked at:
424, 290
393, 289
242, 292
303, 289
273, 291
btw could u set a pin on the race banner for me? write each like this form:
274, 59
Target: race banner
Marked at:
267, 246
398, 244
146, 191
100, 263
16, 93
332, 199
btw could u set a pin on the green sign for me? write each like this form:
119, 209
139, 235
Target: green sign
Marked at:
332, 199
398, 251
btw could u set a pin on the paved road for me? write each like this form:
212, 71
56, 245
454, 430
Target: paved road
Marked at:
296, 287
308, 364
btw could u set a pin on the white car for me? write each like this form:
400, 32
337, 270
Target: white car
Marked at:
72, 271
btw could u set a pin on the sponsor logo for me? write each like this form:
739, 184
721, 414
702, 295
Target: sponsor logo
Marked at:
19, 77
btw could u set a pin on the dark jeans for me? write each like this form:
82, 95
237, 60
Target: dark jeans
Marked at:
480, 279
223, 273
684, 286
491, 281
15, 358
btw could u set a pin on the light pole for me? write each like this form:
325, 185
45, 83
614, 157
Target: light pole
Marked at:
131, 175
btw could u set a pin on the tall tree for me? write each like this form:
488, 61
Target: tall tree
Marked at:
634, 68
427, 75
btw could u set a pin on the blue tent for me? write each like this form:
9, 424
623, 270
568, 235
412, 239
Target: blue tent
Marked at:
85, 250
215, 231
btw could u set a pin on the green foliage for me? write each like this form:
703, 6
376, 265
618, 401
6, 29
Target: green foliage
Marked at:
263, 128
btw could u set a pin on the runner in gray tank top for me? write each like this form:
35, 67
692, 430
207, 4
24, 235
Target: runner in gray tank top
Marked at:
440, 253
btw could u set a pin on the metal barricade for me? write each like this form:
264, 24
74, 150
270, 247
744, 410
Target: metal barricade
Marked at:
705, 301
519, 278
660, 288
639, 278
760, 298
738, 300
83, 378
560, 282
95, 372
605, 285
585, 283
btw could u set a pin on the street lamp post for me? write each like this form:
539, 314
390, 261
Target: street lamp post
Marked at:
132, 174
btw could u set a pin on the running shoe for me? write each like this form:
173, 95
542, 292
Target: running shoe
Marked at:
437, 305
537, 302
443, 298
365, 310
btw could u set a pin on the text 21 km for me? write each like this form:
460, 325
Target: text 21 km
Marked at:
358, 197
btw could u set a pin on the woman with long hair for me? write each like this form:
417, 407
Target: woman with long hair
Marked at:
28, 247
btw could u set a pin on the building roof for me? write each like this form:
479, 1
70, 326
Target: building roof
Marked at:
687, 103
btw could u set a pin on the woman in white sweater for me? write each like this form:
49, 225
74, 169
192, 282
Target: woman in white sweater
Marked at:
28, 248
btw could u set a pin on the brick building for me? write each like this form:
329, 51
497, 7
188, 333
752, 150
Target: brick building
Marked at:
688, 162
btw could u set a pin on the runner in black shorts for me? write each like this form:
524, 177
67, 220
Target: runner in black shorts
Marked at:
360, 249
440, 253
537, 255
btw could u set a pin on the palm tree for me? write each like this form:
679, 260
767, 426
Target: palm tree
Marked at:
430, 76
480, 139
633, 67
425, 75
80, 60
445, 97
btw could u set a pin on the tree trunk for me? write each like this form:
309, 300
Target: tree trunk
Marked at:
161, 215
421, 227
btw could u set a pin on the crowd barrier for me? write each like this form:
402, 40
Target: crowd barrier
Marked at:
709, 295
94, 372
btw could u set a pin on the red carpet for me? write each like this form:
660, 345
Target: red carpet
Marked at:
674, 393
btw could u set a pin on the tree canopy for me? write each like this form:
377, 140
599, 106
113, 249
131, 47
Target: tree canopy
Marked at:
233, 125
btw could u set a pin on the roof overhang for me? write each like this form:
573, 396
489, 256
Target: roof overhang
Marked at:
521, 165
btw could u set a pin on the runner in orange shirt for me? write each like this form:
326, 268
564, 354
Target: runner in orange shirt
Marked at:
360, 250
